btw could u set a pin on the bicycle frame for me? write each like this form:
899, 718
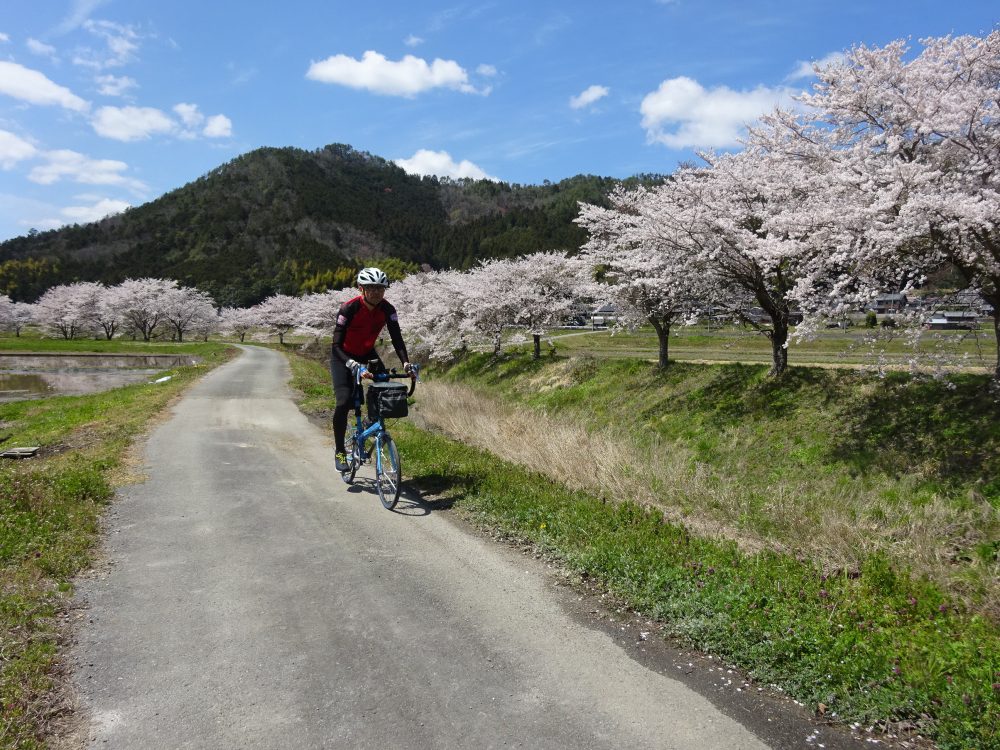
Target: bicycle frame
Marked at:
377, 429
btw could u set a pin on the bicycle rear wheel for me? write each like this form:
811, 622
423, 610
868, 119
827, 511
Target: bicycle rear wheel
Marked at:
387, 472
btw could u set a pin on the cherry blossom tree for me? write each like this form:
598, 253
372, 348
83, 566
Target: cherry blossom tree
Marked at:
106, 313
238, 321
318, 312
6, 312
915, 143
650, 279
280, 314
141, 304
205, 322
68, 309
21, 315
433, 313
550, 291
185, 308
491, 300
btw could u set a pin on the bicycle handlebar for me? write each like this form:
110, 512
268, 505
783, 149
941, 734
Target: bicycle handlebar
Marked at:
414, 375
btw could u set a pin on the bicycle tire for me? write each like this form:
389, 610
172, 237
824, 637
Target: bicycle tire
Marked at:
388, 475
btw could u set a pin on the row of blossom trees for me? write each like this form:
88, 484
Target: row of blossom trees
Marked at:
888, 172
140, 308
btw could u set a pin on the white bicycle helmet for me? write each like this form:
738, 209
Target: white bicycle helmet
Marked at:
372, 277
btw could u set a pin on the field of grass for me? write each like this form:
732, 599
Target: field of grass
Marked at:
32, 342
50, 511
873, 641
848, 347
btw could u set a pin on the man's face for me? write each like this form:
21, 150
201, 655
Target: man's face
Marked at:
373, 293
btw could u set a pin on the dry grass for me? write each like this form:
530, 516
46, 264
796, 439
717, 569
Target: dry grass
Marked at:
833, 522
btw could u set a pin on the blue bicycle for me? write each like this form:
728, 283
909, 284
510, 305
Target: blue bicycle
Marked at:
370, 438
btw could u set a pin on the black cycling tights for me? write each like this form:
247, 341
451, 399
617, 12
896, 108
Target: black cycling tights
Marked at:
340, 425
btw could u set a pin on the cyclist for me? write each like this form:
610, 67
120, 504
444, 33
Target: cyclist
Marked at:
359, 323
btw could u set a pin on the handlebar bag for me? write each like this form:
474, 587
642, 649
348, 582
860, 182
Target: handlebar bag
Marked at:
387, 400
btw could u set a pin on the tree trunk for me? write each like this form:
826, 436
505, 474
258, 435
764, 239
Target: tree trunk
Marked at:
996, 335
538, 345
662, 328
779, 348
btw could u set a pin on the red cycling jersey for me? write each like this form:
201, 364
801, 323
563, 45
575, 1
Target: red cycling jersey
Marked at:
358, 328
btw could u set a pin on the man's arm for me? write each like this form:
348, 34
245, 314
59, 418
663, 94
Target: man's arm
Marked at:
344, 316
392, 324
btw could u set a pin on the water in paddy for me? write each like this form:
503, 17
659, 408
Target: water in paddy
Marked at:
26, 376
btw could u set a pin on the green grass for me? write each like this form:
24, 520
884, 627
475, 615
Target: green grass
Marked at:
50, 509
32, 342
736, 344
874, 644
909, 467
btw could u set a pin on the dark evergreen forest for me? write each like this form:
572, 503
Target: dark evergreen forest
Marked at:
293, 221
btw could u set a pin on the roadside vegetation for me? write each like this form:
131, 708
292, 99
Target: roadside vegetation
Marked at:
770, 524
50, 514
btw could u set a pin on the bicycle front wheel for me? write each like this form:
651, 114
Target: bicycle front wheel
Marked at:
387, 472
352, 462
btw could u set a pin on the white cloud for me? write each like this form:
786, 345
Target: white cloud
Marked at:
413, 41
79, 12
41, 48
31, 86
218, 126
121, 43
440, 163
110, 85
681, 113
95, 211
14, 149
141, 123
65, 164
189, 114
4, 38
487, 70
131, 123
590, 95
805, 69
406, 77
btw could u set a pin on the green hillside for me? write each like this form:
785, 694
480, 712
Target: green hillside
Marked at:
293, 221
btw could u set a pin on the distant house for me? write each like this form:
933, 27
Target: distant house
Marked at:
889, 303
950, 320
603, 315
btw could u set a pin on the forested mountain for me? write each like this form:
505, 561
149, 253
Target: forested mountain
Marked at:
292, 221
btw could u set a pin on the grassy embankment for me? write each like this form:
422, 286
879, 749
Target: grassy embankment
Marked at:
50, 511
770, 523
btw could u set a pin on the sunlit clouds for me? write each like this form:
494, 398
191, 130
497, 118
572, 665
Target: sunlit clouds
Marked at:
14, 149
142, 123
682, 113
34, 87
406, 77
441, 164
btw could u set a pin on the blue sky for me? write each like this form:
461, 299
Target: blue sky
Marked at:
108, 103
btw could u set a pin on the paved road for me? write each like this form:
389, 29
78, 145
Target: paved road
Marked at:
253, 600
